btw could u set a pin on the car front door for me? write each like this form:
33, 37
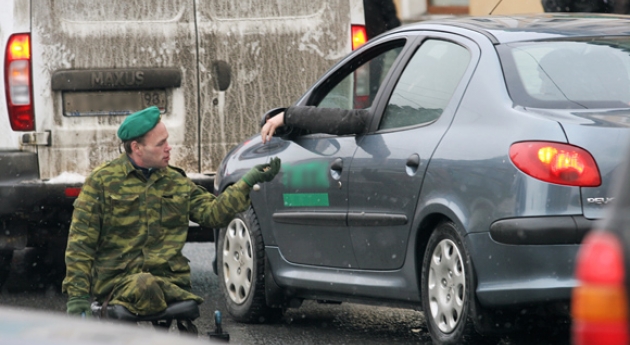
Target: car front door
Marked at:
311, 197
388, 167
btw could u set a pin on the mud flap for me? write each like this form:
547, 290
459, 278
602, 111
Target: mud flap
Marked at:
275, 296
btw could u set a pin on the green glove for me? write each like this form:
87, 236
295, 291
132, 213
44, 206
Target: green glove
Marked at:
262, 172
78, 306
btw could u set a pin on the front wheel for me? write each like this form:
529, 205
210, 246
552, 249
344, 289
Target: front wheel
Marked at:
241, 269
447, 286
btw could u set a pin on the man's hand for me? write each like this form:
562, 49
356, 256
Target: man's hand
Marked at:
270, 126
78, 306
262, 172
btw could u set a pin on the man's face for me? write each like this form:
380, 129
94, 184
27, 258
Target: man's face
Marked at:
153, 151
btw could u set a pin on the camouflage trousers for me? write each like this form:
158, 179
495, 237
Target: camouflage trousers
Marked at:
146, 294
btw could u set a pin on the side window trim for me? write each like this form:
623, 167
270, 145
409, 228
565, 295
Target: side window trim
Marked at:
392, 77
340, 70
334, 76
475, 52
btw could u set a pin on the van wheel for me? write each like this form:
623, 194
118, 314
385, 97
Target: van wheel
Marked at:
447, 286
241, 269
6, 256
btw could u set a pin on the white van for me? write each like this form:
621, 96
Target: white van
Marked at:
72, 70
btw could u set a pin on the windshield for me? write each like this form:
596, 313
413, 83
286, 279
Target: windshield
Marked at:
583, 74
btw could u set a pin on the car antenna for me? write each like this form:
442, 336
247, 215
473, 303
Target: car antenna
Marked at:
495, 7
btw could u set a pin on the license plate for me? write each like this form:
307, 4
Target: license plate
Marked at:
111, 102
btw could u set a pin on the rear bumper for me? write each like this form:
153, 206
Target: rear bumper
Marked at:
21, 191
24, 198
512, 275
35, 196
541, 230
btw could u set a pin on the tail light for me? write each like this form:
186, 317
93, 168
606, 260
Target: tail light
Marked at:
72, 192
556, 163
359, 36
362, 74
599, 307
17, 82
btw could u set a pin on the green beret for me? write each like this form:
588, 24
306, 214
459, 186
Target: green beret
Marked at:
139, 123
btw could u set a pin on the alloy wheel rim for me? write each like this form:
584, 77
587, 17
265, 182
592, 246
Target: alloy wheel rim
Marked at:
238, 261
447, 286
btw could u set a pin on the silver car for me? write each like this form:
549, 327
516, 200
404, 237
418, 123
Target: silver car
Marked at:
488, 158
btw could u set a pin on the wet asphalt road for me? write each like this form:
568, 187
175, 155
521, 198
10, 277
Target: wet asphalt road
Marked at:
313, 323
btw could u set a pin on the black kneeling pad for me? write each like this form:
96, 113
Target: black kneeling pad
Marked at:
182, 310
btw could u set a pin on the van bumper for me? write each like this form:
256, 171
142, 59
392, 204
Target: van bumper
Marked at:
24, 198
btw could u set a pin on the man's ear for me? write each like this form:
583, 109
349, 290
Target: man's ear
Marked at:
135, 146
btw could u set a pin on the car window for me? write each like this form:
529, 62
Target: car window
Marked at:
358, 89
426, 85
569, 74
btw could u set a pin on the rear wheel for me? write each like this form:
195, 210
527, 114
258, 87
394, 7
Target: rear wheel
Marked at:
241, 269
447, 286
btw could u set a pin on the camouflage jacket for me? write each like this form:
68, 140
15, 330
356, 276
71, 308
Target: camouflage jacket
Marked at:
125, 224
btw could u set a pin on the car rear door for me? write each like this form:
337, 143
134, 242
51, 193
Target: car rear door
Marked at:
94, 62
388, 167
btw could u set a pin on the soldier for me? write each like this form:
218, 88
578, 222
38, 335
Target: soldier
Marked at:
130, 223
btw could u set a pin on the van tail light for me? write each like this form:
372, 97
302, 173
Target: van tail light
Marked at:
17, 82
359, 36
599, 306
361, 74
72, 192
556, 163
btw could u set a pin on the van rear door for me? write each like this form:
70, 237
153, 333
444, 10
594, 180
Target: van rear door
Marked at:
256, 55
96, 61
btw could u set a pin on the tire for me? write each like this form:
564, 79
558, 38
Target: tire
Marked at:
6, 256
241, 270
447, 286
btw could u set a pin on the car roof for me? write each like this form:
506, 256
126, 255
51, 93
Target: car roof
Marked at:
515, 28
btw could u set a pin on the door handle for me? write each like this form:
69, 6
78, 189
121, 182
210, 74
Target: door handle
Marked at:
413, 161
335, 168
337, 165
412, 164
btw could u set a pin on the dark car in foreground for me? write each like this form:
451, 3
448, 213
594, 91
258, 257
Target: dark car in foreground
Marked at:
488, 158
600, 305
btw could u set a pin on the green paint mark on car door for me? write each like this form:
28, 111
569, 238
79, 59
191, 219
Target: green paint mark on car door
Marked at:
305, 199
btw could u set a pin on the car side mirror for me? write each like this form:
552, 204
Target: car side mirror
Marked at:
283, 131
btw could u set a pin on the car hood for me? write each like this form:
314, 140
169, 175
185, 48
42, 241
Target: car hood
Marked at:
603, 133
